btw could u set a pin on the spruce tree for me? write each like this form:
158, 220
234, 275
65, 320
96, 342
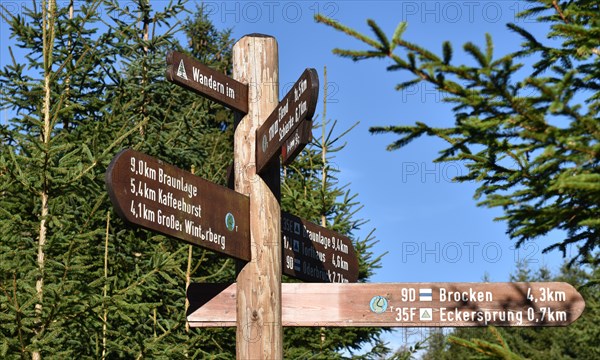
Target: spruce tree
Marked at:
187, 131
81, 283
531, 142
54, 95
75, 280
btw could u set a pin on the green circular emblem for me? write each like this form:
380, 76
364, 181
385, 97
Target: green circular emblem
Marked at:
229, 221
378, 304
265, 143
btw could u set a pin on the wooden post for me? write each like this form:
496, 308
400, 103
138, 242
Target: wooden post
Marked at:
259, 331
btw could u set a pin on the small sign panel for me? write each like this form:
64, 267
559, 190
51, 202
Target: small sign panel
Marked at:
518, 304
160, 197
192, 74
298, 105
314, 253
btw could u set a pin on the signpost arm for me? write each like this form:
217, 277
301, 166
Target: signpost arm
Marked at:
259, 331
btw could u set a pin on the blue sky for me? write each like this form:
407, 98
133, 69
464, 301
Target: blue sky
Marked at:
430, 226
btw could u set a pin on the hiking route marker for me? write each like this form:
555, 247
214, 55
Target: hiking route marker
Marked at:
401, 304
163, 198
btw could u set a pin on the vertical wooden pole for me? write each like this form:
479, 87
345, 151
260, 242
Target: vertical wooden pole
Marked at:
259, 332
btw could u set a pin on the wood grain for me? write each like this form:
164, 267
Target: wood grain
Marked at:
338, 305
259, 332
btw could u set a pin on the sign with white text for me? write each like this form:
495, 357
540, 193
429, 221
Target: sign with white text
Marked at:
160, 197
401, 304
297, 106
193, 75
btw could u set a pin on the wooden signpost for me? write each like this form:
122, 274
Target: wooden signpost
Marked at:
314, 253
401, 304
247, 224
259, 334
297, 106
160, 197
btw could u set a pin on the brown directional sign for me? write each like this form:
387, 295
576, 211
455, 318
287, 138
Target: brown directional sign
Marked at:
294, 145
401, 304
163, 198
314, 253
192, 74
298, 105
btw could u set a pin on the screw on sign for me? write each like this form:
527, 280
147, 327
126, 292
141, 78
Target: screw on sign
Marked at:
163, 198
297, 106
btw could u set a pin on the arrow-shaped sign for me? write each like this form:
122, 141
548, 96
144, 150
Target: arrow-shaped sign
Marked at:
160, 197
298, 105
294, 145
401, 304
194, 75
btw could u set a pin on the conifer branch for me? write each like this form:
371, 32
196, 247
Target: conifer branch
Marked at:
559, 11
447, 51
218, 272
355, 34
426, 54
491, 111
385, 43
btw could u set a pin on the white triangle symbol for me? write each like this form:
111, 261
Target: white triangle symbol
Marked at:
425, 314
181, 70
